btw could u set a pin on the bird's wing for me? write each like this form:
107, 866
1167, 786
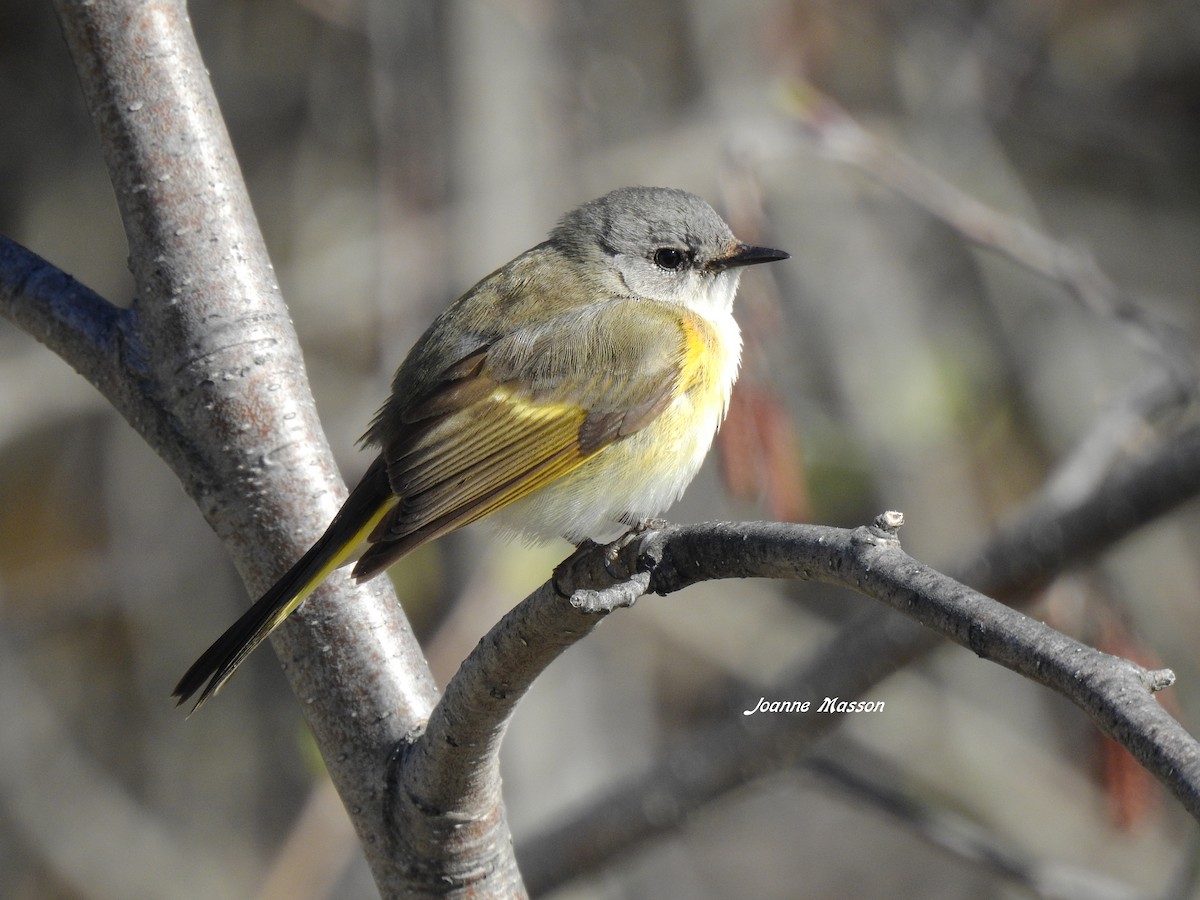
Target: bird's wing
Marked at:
517, 414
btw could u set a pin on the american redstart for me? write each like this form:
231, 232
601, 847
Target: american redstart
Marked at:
575, 388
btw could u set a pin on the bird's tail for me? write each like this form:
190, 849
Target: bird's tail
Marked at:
342, 541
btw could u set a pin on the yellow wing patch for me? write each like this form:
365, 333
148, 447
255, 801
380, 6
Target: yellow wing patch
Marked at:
472, 463
492, 449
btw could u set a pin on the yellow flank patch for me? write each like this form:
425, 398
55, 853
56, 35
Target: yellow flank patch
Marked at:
703, 357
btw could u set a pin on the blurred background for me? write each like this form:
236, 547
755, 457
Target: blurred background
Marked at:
398, 151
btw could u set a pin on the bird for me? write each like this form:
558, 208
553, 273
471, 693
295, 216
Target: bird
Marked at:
575, 389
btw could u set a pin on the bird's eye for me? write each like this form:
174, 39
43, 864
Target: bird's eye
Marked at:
669, 258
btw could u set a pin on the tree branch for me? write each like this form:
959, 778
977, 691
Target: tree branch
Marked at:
1114, 692
140, 854
96, 337
955, 833
836, 135
1045, 538
444, 786
220, 390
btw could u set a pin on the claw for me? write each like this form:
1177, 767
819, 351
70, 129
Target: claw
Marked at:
637, 528
612, 553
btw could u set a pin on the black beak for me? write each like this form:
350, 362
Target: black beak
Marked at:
745, 255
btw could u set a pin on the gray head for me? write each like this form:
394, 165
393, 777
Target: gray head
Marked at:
661, 243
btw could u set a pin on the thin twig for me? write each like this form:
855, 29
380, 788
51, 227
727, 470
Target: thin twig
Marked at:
954, 833
838, 136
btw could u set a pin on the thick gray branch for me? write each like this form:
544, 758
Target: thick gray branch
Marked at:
225, 399
446, 783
